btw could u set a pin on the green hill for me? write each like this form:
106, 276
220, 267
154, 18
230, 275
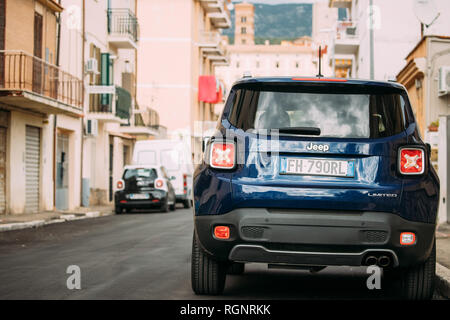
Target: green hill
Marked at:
278, 22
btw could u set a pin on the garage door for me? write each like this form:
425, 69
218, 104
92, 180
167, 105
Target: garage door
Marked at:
32, 168
2, 169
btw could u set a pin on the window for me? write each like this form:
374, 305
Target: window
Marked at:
243, 30
147, 157
277, 64
145, 173
257, 64
243, 41
243, 19
237, 64
337, 113
297, 65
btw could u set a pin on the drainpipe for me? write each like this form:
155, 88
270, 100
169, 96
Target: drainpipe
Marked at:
83, 42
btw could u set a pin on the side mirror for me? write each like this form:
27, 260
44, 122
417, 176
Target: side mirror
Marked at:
205, 143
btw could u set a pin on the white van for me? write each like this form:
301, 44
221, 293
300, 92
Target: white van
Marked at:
176, 157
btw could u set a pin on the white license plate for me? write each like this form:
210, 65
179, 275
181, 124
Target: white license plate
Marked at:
321, 167
139, 196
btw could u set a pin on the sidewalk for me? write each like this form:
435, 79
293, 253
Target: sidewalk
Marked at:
443, 259
23, 221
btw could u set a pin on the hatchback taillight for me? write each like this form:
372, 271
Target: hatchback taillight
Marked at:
222, 155
411, 160
120, 185
159, 183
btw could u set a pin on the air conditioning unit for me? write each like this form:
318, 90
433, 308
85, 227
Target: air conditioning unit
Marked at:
91, 66
91, 128
444, 81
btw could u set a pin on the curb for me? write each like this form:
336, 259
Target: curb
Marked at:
61, 218
443, 280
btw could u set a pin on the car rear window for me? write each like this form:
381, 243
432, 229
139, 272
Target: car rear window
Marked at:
346, 114
145, 173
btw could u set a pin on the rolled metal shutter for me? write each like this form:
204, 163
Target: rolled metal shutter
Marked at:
32, 168
2, 170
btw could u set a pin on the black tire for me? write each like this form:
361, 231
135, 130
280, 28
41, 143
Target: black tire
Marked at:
173, 206
236, 268
165, 206
118, 210
417, 283
207, 275
187, 203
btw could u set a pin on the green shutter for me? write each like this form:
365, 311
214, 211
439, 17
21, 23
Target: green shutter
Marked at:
104, 77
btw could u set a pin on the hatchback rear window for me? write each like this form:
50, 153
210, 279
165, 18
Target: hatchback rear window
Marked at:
337, 114
144, 173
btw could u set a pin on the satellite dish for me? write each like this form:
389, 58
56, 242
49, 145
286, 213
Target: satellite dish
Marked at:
426, 11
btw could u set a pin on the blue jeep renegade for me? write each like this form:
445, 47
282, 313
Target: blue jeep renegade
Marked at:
316, 172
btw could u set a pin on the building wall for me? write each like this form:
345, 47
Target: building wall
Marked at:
246, 11
394, 35
438, 56
166, 62
19, 35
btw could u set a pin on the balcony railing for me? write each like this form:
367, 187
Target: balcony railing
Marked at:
123, 22
117, 104
20, 71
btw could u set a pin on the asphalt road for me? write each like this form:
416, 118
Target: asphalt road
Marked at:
147, 256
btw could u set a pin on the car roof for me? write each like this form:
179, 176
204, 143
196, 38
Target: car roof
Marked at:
315, 80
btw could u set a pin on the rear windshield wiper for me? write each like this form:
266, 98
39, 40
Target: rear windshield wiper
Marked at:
312, 131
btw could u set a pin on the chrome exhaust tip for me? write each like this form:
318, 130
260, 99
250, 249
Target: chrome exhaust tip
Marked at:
384, 261
370, 261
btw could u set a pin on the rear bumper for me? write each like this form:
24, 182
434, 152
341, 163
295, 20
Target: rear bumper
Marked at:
156, 200
313, 237
140, 204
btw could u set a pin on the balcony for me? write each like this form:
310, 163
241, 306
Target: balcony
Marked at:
109, 104
217, 12
212, 47
144, 122
346, 40
123, 28
31, 83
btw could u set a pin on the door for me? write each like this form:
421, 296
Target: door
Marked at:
32, 168
62, 172
3, 125
37, 51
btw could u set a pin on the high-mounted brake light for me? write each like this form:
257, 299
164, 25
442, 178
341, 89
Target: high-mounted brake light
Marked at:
320, 79
159, 183
222, 155
411, 160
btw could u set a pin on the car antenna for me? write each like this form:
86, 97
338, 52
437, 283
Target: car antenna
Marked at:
320, 75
